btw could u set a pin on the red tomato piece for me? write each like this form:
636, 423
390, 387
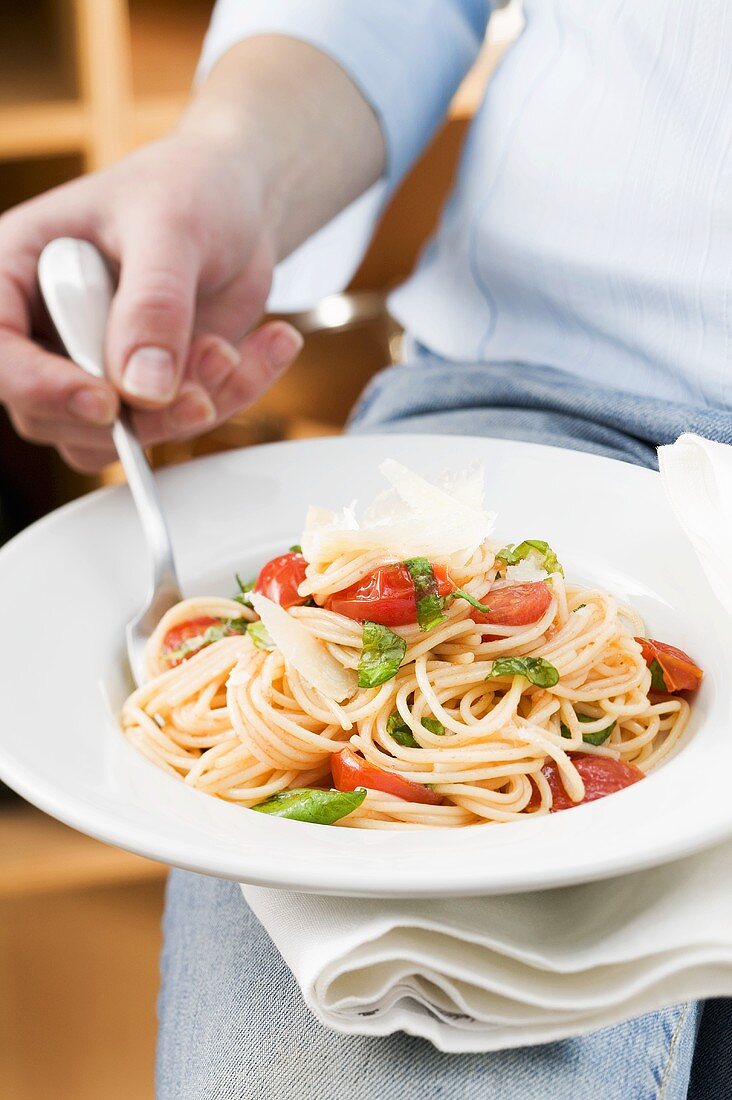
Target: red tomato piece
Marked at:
680, 673
601, 776
515, 605
350, 772
181, 633
280, 579
385, 596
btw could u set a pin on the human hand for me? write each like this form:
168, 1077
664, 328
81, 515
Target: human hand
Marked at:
185, 223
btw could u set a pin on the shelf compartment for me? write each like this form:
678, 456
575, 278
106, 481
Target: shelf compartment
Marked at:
23, 178
37, 62
43, 129
165, 39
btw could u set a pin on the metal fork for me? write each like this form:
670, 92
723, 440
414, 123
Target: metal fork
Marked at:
77, 288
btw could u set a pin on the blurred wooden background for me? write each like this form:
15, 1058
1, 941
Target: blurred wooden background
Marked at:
81, 83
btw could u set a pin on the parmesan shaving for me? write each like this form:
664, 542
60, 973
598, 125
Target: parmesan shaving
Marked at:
304, 652
526, 571
414, 518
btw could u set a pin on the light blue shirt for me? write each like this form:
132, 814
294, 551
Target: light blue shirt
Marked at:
590, 227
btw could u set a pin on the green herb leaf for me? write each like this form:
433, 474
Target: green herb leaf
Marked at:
382, 654
296, 549
536, 670
242, 595
402, 734
211, 634
598, 738
512, 555
460, 594
259, 635
657, 681
429, 603
313, 805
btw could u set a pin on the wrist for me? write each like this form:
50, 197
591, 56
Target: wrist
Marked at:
234, 143
301, 130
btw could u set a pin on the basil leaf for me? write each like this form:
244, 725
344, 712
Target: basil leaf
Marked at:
658, 682
512, 555
460, 594
434, 726
242, 595
598, 738
313, 805
402, 734
296, 549
382, 654
536, 670
211, 634
429, 604
258, 633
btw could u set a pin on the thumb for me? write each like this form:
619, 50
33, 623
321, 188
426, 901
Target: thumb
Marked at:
151, 319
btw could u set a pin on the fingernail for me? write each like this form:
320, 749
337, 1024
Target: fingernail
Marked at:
93, 407
192, 410
217, 364
150, 374
284, 347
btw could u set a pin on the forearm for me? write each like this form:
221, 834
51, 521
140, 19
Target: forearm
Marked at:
301, 124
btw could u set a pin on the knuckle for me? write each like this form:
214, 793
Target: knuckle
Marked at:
160, 300
32, 389
182, 221
30, 430
241, 392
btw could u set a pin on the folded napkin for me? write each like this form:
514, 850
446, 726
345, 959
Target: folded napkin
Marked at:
479, 974
697, 476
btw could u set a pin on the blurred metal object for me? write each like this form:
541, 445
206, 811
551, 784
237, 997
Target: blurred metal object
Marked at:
340, 311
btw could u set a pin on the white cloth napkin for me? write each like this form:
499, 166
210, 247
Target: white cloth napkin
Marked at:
697, 476
480, 974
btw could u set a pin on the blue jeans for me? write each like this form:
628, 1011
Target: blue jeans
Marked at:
233, 1025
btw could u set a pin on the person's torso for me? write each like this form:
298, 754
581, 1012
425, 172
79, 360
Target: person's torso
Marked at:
591, 226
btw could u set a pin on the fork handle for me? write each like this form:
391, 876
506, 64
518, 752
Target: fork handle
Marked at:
145, 495
78, 290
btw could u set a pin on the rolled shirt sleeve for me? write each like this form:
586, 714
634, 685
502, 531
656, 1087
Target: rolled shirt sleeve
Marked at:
406, 56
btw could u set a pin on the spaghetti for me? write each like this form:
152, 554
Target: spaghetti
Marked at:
525, 694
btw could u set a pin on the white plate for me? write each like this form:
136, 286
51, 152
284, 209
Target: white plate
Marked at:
69, 584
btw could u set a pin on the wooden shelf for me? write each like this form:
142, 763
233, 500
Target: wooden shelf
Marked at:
35, 130
39, 855
153, 115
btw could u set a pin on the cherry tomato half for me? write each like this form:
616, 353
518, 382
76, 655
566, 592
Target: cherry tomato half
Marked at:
601, 775
385, 596
280, 579
514, 605
350, 772
679, 671
181, 633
